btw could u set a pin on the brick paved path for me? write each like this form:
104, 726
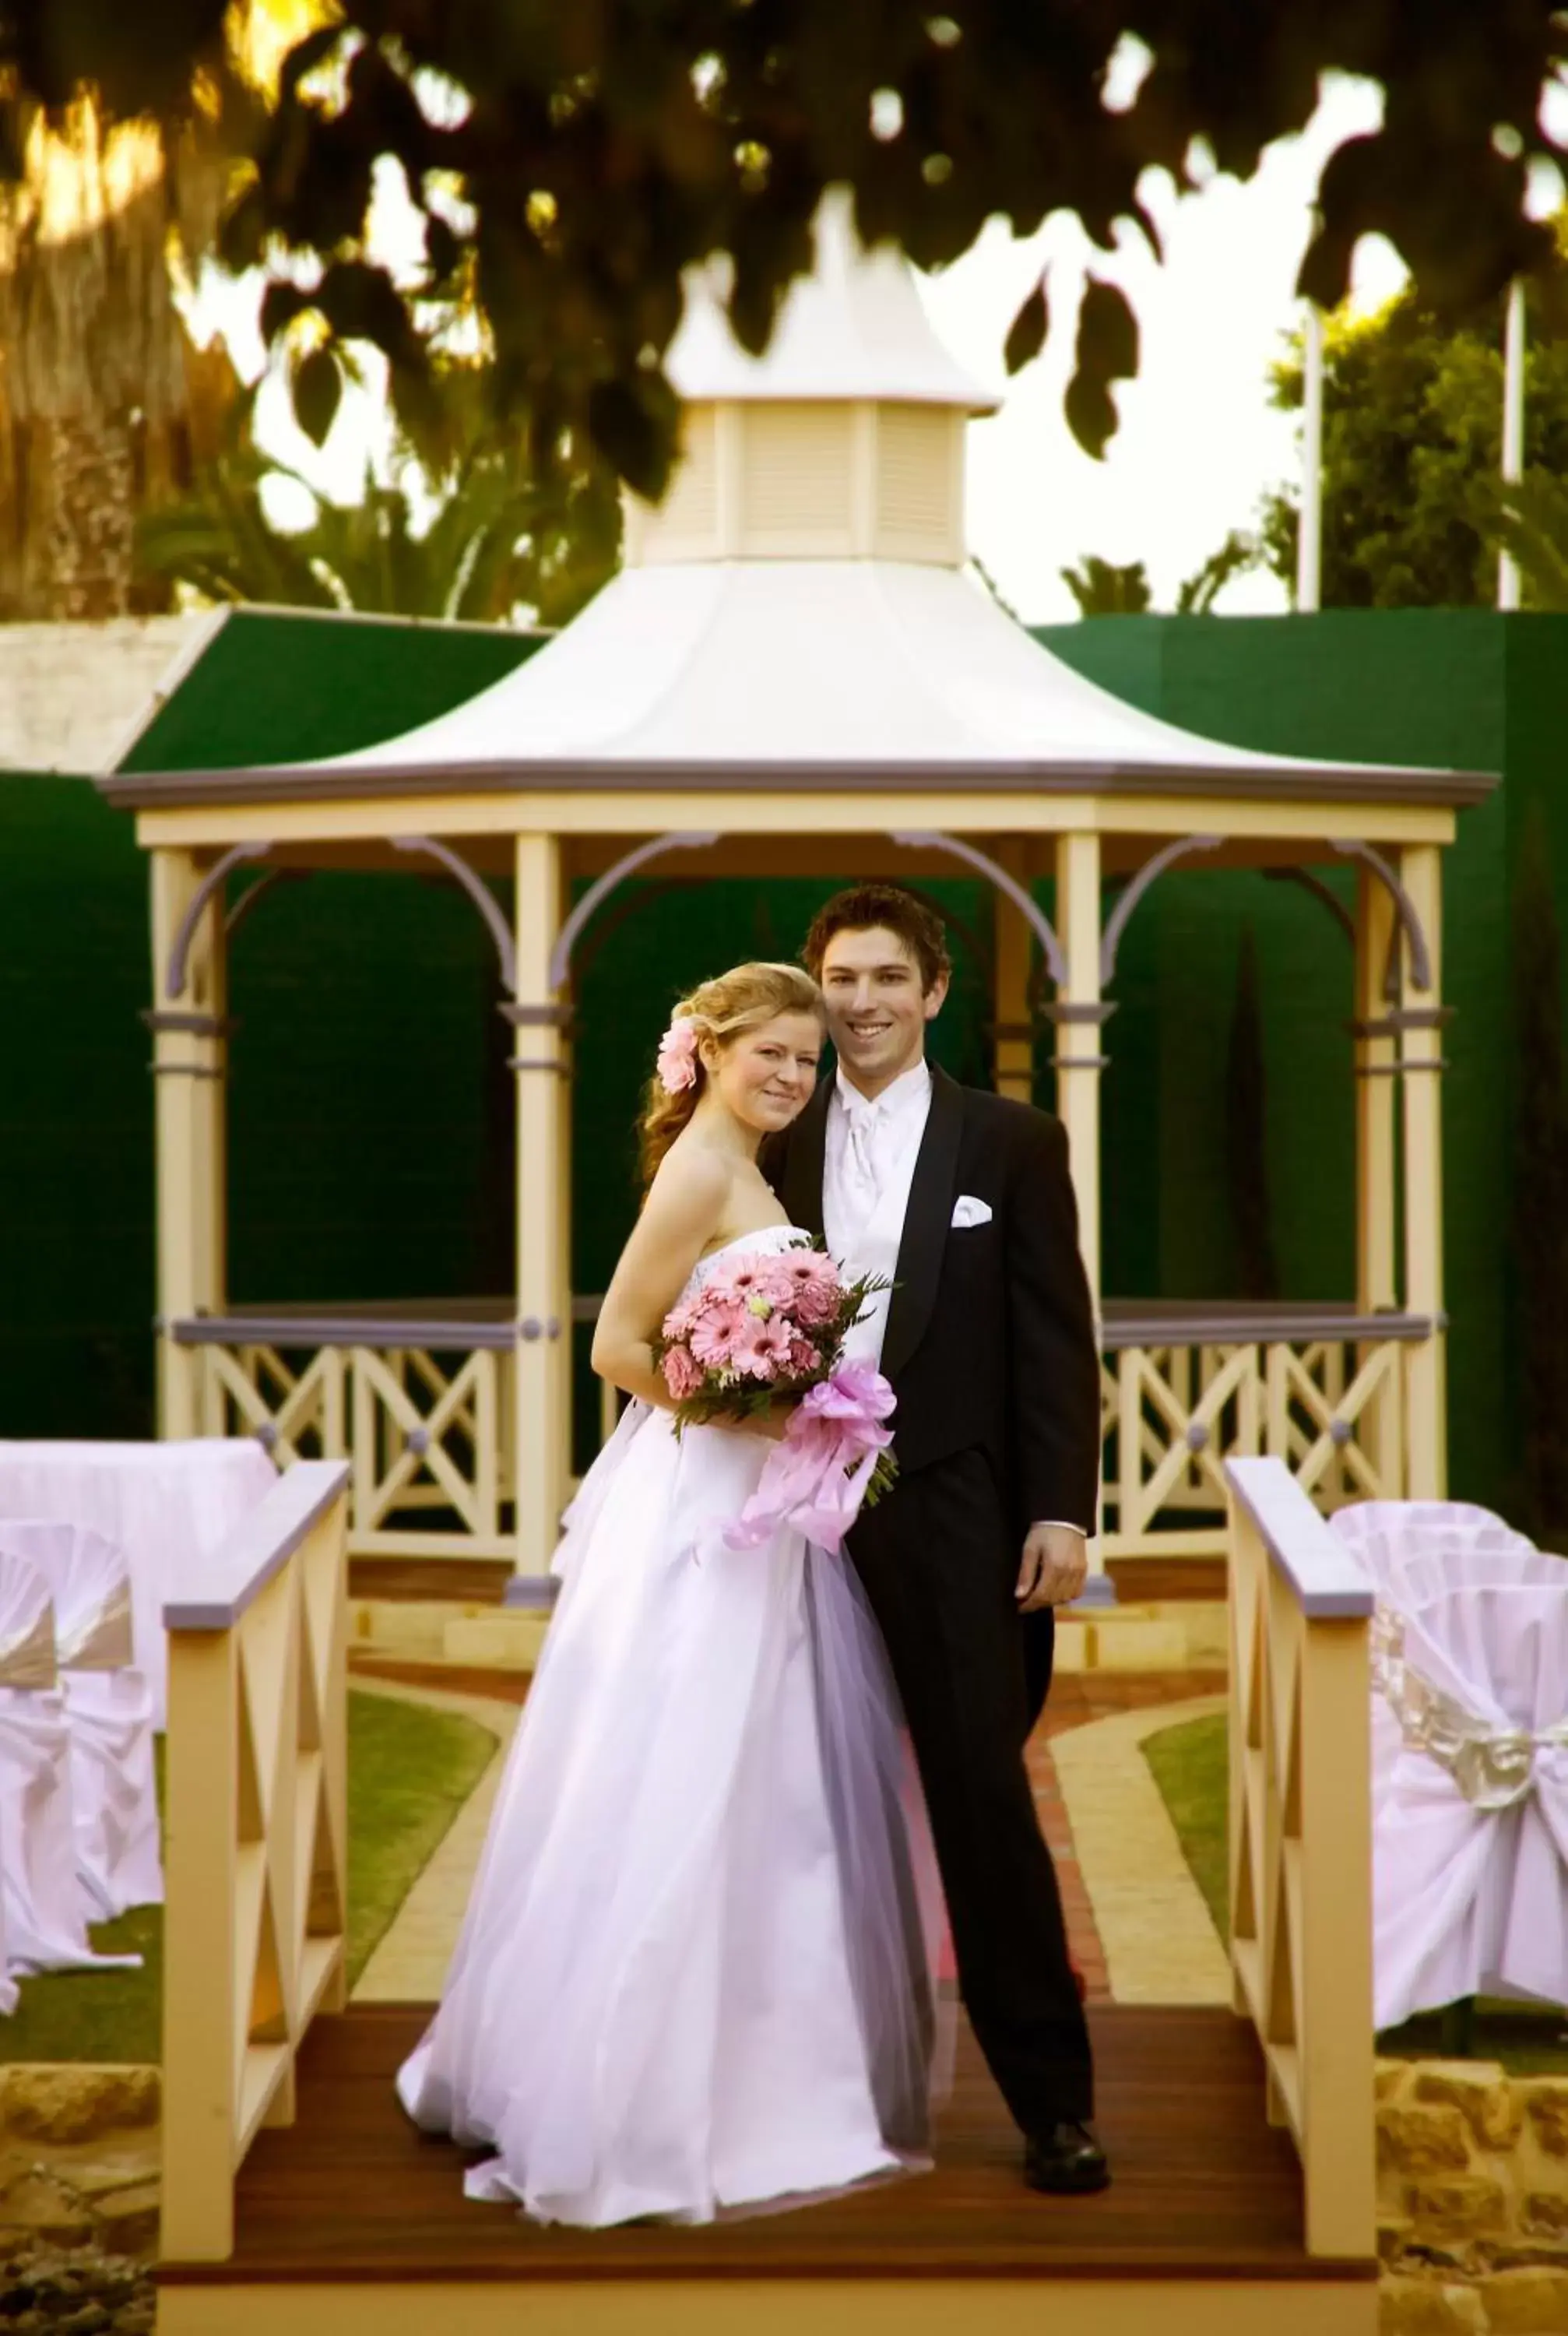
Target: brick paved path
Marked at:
1077, 1697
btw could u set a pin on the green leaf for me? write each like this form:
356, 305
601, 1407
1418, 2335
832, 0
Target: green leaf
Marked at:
281, 303
1027, 333
317, 388
633, 431
1107, 351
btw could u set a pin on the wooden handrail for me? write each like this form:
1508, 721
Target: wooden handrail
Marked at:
218, 1589
1328, 1580
1300, 1846
256, 1865
464, 1322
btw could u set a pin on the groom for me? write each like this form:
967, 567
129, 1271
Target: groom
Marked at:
964, 1200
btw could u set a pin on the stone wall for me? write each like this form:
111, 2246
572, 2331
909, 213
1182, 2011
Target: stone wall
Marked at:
70, 693
1472, 2199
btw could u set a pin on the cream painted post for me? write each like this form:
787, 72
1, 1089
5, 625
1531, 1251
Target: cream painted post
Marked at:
1011, 1025
1376, 1211
203, 1950
1078, 1057
1338, 2136
543, 1231
1376, 1063
1079, 1015
189, 1068
1426, 1363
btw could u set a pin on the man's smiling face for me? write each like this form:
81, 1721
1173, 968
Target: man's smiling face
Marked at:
877, 1009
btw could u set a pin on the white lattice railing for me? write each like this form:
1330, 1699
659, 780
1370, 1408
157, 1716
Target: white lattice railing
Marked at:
421, 1410
1183, 1390
1301, 1839
422, 1405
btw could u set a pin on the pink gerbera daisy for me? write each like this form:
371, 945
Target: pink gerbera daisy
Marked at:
762, 1349
715, 1333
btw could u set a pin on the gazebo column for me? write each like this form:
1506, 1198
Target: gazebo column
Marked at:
1377, 1207
1011, 1027
1377, 1065
1079, 1013
1422, 1018
189, 1066
542, 1067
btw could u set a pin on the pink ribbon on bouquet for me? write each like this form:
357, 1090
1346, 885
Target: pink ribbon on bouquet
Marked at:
815, 1477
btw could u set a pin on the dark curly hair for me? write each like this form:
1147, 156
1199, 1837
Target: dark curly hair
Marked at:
889, 906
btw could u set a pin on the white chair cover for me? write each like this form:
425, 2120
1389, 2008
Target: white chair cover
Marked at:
46, 1909
1470, 1820
1359, 1520
108, 1711
1417, 1578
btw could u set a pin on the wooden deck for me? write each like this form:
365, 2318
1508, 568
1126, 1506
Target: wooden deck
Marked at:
349, 2219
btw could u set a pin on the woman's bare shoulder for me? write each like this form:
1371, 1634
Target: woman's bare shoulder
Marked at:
691, 1184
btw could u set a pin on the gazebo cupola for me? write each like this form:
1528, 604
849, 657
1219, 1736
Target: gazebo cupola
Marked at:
845, 441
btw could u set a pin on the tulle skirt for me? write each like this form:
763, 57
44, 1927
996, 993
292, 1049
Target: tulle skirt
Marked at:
696, 1970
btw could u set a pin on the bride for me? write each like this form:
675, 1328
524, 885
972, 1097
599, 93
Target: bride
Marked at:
694, 1973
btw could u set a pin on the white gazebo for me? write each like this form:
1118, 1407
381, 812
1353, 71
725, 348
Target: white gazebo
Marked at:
793, 673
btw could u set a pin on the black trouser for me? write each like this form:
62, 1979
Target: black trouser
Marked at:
939, 1563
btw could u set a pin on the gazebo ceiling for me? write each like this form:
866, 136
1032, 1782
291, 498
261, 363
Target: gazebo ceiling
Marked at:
764, 638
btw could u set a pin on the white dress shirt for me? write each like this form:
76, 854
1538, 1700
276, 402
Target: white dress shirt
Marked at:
871, 1148
871, 1144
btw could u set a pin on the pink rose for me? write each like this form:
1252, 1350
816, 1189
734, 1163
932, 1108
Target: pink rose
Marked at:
817, 1303
715, 1333
816, 1292
803, 1357
682, 1375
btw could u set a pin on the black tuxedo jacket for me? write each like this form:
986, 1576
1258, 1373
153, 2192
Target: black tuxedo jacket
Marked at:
991, 1336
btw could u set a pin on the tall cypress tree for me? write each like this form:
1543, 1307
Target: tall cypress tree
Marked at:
1245, 1107
1541, 1184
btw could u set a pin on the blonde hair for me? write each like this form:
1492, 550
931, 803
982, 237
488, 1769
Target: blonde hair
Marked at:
722, 1009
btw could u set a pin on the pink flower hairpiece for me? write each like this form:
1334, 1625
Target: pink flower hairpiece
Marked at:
676, 1063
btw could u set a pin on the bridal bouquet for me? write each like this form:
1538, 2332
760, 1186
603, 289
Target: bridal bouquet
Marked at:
762, 1327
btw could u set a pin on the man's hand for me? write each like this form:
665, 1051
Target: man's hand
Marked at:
1056, 1565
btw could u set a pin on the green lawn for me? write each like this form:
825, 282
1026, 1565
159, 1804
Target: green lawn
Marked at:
409, 1770
1189, 1765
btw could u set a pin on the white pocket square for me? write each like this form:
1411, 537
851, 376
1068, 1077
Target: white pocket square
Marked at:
968, 1211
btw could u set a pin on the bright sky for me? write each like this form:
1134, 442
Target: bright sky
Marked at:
1198, 444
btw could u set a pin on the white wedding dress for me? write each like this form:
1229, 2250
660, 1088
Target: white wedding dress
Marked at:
696, 1972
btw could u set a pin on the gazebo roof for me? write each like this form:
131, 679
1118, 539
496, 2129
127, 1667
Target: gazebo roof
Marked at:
859, 673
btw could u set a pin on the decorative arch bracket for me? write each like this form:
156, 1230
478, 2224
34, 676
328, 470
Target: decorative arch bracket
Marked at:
1148, 874
565, 941
1405, 910
1034, 916
178, 971
478, 892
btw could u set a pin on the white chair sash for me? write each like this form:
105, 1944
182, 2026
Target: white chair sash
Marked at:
92, 1589
26, 1624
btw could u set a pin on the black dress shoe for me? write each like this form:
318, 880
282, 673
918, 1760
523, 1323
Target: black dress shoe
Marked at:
1066, 2160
